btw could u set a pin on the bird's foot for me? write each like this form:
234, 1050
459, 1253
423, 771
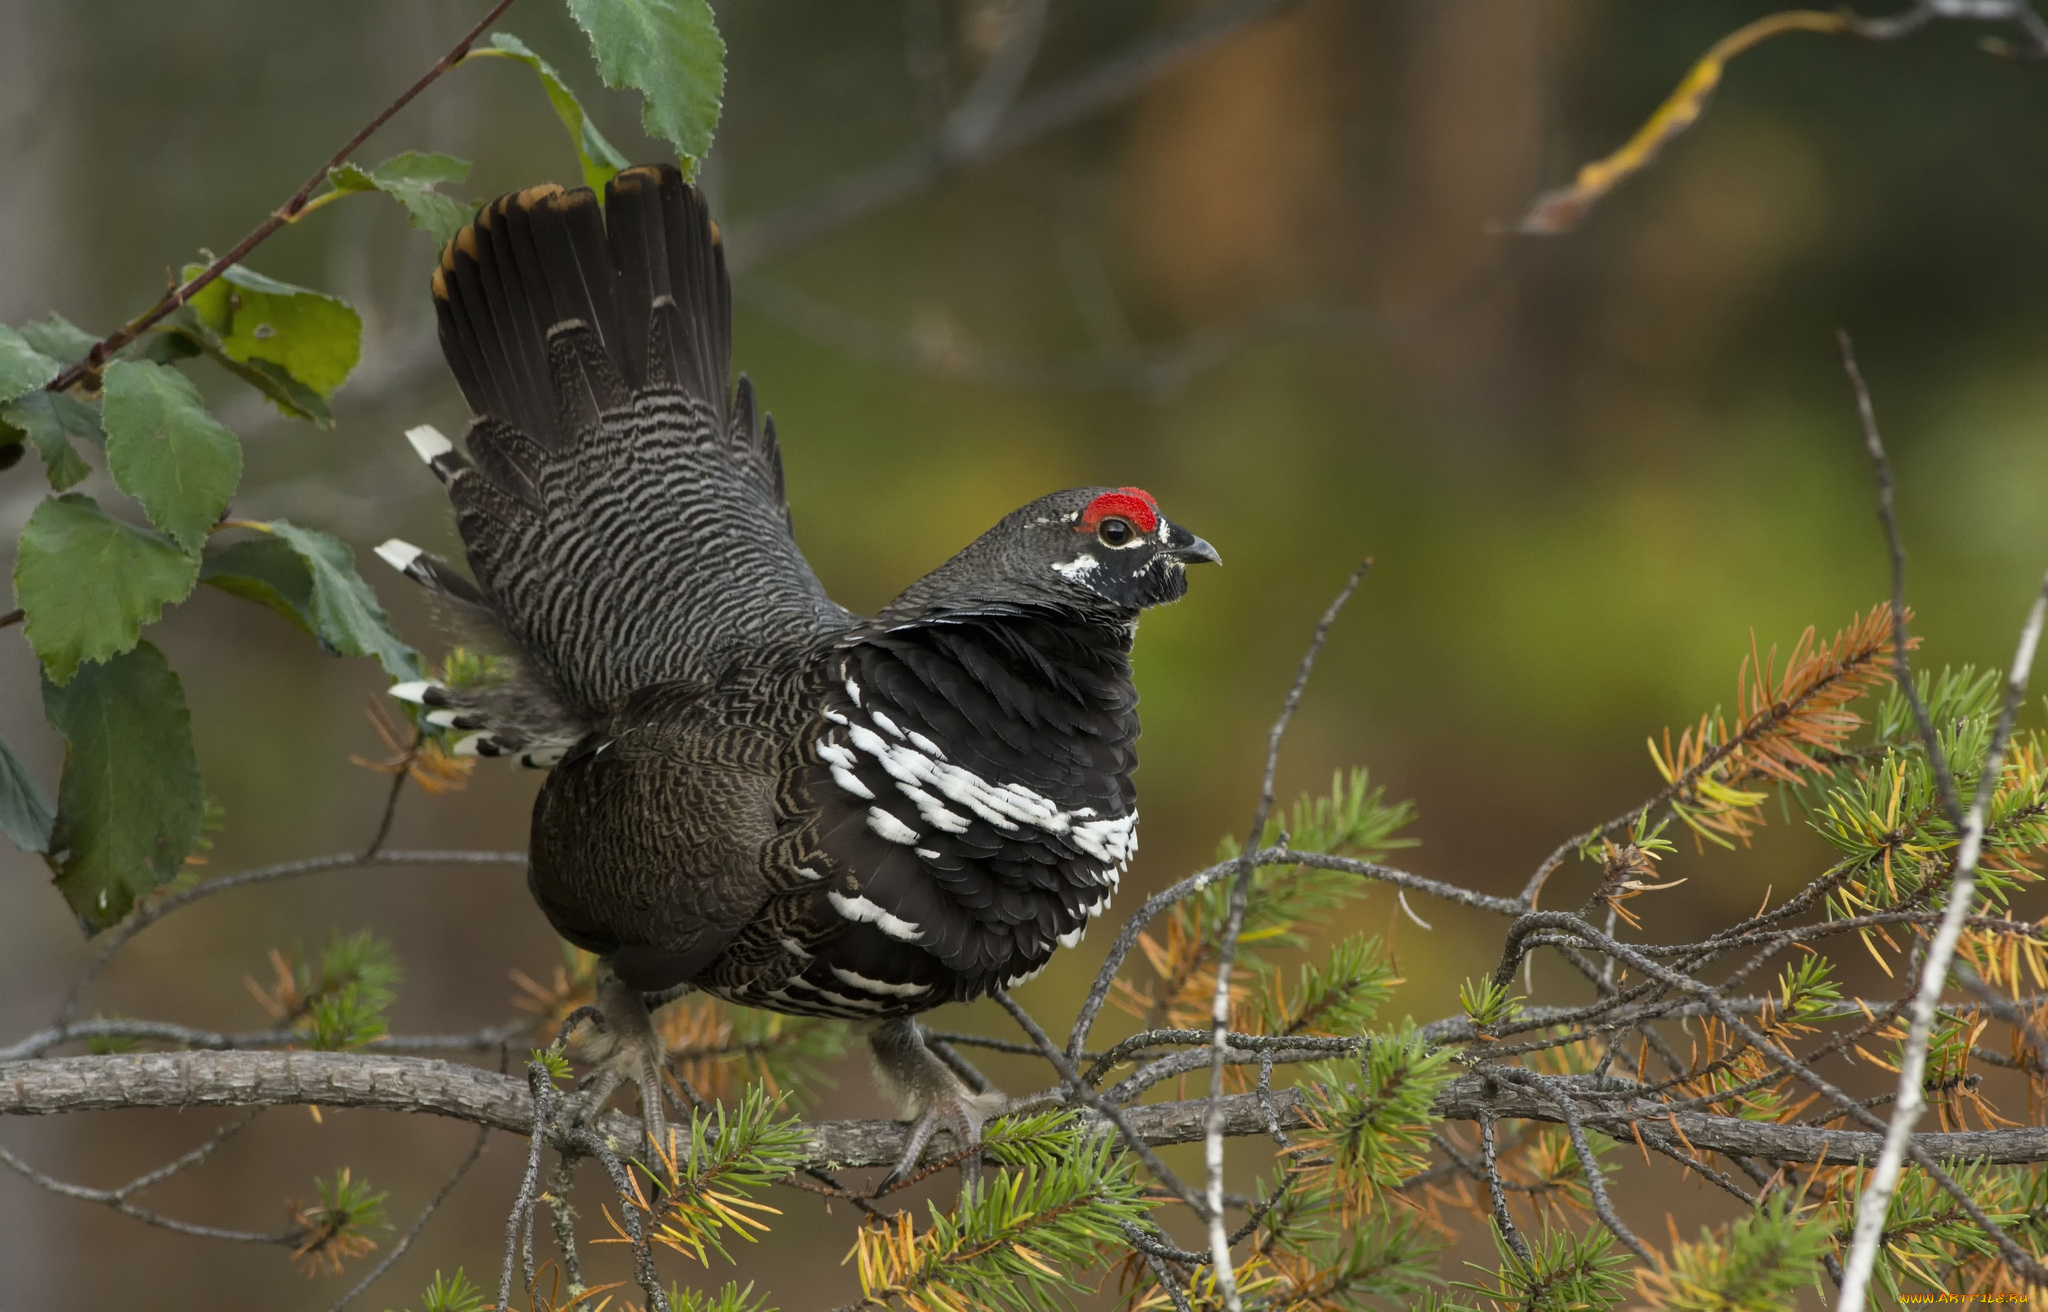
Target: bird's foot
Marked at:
933, 1098
964, 1114
625, 1048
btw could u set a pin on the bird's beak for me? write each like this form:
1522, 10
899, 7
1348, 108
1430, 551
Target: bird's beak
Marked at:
1183, 545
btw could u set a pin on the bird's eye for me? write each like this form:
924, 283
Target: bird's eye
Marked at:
1115, 532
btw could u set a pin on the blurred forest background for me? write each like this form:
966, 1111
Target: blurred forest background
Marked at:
1271, 288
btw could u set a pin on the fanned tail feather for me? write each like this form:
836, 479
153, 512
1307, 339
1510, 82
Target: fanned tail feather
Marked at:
620, 498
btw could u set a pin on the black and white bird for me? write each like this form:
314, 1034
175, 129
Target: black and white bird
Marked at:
753, 792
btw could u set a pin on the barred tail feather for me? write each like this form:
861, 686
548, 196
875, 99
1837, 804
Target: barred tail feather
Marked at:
621, 507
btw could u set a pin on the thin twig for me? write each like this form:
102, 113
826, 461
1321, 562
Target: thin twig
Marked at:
152, 911
1887, 514
1126, 939
518, 1231
117, 1200
102, 350
1167, 1282
1875, 1203
419, 1224
562, 1211
398, 778
1115, 1115
1490, 1164
1596, 1184
1233, 925
629, 1210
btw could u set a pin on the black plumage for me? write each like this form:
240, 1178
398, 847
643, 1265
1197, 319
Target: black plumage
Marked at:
754, 792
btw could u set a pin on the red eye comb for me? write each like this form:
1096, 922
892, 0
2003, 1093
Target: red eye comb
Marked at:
1133, 503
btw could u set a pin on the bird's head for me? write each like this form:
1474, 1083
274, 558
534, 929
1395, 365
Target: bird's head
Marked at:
1093, 549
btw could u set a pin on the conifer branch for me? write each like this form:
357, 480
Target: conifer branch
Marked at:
1871, 1210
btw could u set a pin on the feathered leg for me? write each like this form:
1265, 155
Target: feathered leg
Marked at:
930, 1095
627, 1049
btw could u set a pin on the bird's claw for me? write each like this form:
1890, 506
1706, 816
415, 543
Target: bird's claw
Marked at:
964, 1114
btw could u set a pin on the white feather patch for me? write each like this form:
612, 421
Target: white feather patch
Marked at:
845, 779
926, 745
853, 691
428, 441
398, 553
861, 911
883, 987
858, 1004
1114, 840
1078, 568
414, 692
794, 949
1073, 938
933, 811
1001, 806
1026, 977
889, 828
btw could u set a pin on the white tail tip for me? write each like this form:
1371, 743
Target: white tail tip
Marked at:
399, 554
427, 440
443, 719
414, 692
468, 746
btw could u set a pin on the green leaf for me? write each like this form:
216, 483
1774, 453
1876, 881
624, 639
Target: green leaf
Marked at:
181, 336
51, 420
600, 159
339, 608
58, 338
89, 582
130, 806
314, 338
167, 452
269, 572
23, 368
670, 51
25, 813
409, 179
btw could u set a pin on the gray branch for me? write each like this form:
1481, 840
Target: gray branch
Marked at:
56, 1085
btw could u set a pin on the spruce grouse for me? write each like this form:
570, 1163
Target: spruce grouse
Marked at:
752, 791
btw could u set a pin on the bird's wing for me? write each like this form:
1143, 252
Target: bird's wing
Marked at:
970, 808
622, 509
